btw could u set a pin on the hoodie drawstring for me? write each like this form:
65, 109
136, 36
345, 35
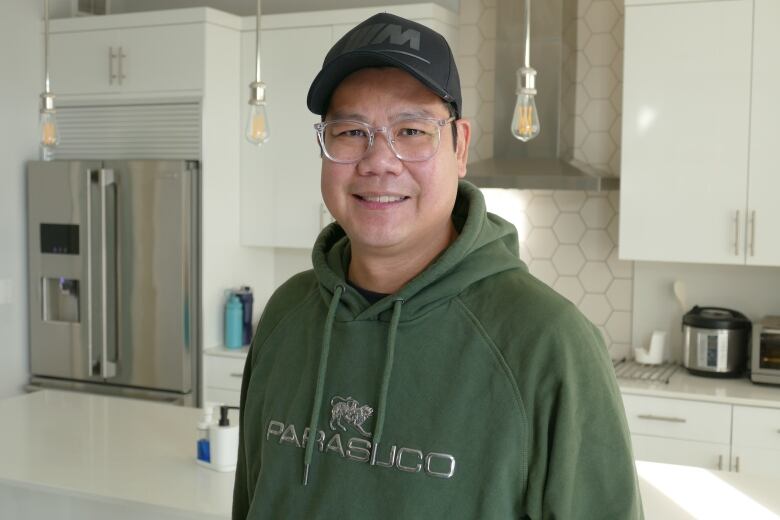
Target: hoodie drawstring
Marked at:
315, 413
388, 370
386, 375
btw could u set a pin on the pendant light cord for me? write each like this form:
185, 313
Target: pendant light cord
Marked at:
527, 34
257, 41
46, 44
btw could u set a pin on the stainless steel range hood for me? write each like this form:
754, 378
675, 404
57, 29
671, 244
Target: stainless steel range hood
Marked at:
545, 162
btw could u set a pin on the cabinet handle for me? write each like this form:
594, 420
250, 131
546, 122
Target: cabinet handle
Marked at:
736, 237
753, 233
236, 374
111, 75
720, 462
736, 465
661, 418
121, 55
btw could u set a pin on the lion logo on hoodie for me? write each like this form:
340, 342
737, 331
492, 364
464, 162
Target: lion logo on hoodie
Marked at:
348, 411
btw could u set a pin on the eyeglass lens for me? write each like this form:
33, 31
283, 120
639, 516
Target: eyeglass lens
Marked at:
410, 139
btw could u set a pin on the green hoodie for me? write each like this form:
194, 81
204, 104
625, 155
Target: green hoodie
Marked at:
474, 392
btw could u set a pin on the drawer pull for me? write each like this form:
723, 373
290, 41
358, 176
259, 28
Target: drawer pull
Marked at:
661, 418
236, 374
720, 462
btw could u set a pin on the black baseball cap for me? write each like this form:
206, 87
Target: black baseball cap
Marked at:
386, 40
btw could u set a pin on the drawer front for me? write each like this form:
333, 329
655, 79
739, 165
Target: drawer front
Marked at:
757, 427
674, 451
678, 418
224, 372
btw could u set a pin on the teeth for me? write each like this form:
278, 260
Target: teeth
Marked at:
383, 198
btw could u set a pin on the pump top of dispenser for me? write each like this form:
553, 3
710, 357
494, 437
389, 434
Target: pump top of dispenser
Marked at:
223, 414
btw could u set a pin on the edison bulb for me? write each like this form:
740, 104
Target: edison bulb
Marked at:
525, 120
257, 131
48, 132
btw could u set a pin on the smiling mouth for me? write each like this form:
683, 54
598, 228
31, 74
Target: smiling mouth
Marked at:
383, 199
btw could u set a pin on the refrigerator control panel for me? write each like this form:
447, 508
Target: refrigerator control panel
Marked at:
60, 239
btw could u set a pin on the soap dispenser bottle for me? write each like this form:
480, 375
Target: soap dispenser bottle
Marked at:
223, 438
203, 444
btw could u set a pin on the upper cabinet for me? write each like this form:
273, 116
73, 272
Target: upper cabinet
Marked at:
281, 204
763, 210
131, 53
698, 114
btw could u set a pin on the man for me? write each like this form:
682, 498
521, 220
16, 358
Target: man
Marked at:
419, 370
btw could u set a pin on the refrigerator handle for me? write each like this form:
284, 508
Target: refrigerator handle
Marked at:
107, 368
90, 278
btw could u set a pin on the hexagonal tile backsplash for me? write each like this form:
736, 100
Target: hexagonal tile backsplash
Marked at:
567, 238
569, 241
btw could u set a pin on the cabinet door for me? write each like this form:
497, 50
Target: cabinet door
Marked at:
674, 451
756, 441
763, 231
686, 95
163, 58
280, 181
80, 62
755, 461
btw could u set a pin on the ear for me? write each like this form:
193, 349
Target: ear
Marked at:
462, 147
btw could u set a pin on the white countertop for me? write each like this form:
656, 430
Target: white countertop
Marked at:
130, 451
123, 450
240, 352
683, 385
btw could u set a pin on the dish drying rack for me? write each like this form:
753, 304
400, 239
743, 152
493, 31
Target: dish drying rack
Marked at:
629, 369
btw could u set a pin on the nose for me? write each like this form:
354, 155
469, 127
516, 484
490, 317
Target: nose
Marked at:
380, 158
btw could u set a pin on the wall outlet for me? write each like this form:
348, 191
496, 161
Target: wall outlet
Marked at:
6, 296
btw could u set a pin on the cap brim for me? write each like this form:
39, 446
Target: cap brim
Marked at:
334, 73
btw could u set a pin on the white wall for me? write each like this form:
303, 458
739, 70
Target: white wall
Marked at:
21, 56
753, 291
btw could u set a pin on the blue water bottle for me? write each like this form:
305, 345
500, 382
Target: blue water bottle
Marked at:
233, 322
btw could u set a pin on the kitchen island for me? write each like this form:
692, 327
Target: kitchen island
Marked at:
72, 456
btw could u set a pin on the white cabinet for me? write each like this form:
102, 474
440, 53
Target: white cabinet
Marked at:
678, 431
82, 62
125, 60
696, 167
756, 441
223, 370
675, 451
764, 186
738, 438
280, 187
281, 203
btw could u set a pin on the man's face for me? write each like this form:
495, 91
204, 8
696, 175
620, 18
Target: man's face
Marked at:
421, 194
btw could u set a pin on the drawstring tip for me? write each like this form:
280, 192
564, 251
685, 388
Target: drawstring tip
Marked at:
305, 474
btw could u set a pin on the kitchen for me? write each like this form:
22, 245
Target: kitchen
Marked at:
571, 237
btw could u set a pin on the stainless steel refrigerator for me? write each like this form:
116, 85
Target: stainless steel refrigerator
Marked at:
114, 277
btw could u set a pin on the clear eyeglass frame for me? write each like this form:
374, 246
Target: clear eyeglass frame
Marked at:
372, 131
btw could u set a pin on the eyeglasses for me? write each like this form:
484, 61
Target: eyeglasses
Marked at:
347, 141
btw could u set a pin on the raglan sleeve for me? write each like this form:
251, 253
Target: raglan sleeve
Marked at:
590, 464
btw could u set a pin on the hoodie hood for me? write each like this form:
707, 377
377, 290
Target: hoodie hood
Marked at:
486, 245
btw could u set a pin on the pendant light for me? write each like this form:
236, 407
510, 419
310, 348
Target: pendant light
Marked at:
525, 120
47, 119
257, 131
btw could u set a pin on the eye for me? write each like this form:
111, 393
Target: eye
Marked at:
410, 132
346, 130
413, 128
